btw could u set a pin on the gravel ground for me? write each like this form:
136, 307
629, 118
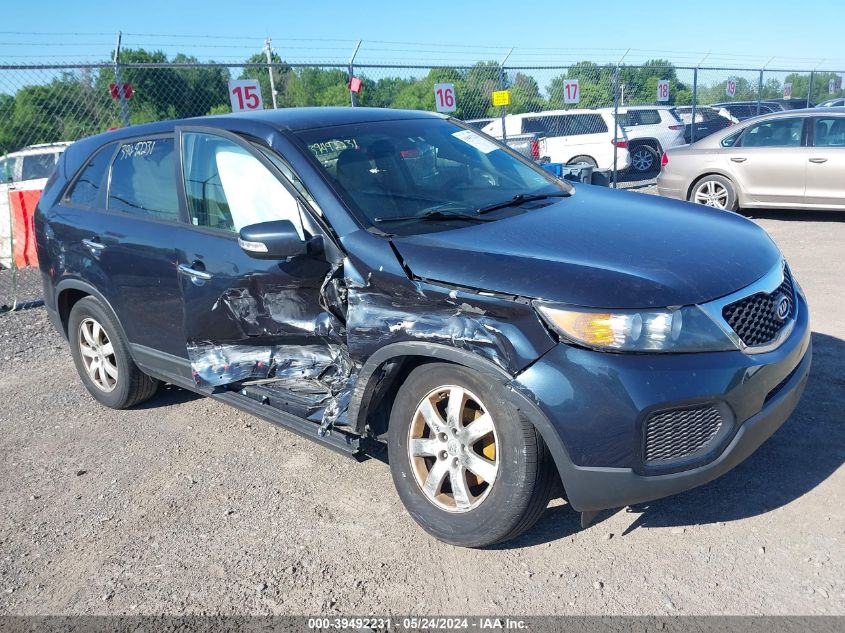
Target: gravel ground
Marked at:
184, 505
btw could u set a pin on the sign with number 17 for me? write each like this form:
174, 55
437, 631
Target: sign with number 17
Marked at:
571, 91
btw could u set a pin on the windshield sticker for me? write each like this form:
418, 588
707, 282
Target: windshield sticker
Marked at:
139, 149
478, 142
326, 148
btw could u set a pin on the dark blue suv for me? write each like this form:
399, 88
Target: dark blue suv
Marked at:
365, 276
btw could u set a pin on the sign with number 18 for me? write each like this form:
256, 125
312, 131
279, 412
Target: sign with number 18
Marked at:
663, 90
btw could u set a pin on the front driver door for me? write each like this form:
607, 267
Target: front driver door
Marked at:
253, 321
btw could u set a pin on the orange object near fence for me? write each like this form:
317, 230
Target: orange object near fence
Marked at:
23, 229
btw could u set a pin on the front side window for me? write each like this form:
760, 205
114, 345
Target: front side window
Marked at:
829, 132
228, 188
143, 179
37, 166
774, 133
6, 169
413, 176
86, 190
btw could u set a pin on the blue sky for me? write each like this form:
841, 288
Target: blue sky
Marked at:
803, 35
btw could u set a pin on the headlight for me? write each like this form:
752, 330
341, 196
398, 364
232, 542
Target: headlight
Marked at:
687, 329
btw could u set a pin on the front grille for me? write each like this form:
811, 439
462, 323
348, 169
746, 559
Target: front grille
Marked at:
679, 433
755, 319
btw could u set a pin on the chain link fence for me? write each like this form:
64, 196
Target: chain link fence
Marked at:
659, 105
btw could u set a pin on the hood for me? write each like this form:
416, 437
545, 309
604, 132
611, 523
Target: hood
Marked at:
600, 248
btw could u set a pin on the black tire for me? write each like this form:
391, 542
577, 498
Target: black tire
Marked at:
644, 159
523, 484
583, 159
719, 183
131, 386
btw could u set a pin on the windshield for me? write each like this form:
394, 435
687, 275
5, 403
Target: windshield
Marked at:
407, 176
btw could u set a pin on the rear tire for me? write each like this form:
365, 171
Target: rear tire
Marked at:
102, 358
644, 159
441, 464
715, 191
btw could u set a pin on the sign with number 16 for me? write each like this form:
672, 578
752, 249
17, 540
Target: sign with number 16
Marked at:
444, 97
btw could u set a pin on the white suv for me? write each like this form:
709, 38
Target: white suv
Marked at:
650, 130
570, 136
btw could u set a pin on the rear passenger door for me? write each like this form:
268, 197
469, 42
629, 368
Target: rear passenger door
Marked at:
247, 318
120, 219
825, 187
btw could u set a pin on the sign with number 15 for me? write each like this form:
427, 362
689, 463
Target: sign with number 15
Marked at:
245, 95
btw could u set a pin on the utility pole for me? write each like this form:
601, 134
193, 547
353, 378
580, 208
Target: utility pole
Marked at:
269, 52
353, 96
118, 80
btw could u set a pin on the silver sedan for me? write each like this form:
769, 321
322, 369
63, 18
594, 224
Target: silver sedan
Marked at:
791, 159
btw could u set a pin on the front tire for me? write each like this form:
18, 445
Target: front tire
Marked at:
467, 467
715, 191
102, 358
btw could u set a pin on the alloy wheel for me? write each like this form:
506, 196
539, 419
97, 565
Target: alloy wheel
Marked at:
97, 354
643, 159
712, 194
453, 449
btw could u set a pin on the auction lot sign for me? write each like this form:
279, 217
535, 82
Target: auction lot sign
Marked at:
245, 95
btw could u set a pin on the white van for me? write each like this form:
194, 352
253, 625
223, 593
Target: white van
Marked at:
571, 136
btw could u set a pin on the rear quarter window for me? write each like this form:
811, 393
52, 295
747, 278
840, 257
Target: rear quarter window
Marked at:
85, 191
38, 166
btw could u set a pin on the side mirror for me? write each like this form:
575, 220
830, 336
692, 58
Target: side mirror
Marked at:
274, 240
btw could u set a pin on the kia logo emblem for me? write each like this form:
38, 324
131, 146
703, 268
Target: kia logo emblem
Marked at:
782, 308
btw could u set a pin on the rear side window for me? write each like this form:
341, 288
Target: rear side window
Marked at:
642, 117
37, 166
86, 190
829, 132
586, 124
143, 179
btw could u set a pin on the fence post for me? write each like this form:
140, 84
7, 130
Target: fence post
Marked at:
615, 121
759, 90
503, 86
810, 88
118, 80
694, 103
353, 96
269, 53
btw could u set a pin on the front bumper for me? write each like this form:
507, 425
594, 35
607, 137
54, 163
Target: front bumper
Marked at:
591, 406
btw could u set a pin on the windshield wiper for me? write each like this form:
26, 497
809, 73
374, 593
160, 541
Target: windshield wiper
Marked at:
433, 216
519, 199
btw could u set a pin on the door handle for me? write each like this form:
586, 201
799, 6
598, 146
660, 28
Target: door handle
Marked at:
818, 161
94, 245
739, 159
193, 273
